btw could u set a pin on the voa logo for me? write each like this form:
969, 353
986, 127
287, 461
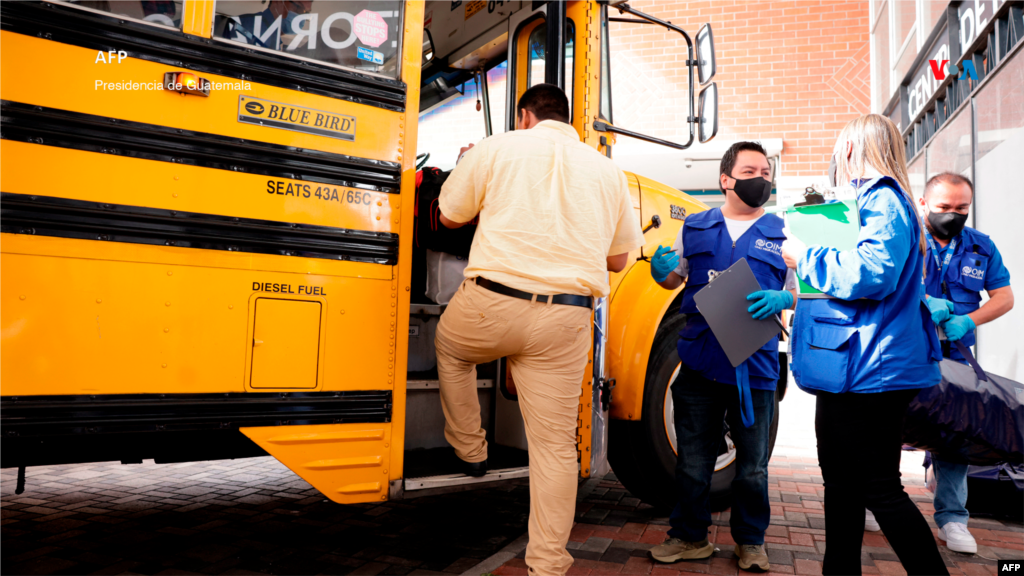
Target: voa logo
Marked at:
769, 246
943, 68
972, 272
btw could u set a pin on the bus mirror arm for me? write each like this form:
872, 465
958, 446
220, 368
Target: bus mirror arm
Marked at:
601, 126
691, 66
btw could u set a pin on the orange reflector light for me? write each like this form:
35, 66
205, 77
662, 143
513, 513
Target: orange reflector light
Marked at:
186, 83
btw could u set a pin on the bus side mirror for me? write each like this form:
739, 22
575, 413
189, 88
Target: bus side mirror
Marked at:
706, 68
428, 47
707, 113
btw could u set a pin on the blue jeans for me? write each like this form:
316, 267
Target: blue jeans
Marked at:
701, 405
950, 492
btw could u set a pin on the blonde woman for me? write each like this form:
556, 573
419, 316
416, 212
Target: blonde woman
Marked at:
867, 351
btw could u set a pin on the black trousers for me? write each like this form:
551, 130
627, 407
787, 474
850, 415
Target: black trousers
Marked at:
859, 446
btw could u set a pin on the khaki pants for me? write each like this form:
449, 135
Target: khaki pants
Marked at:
547, 347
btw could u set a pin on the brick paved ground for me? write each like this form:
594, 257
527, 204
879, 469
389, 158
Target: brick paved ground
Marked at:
256, 516
237, 517
614, 531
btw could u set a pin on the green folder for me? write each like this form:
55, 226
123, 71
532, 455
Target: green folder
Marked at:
836, 225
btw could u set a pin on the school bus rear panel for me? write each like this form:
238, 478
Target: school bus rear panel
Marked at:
183, 263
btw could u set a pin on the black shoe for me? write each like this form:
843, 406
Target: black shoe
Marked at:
475, 469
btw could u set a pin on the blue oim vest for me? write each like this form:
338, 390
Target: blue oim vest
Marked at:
708, 249
964, 279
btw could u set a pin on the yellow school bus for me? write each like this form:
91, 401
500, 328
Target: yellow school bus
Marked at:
207, 236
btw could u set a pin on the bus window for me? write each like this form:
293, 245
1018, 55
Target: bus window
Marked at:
537, 43
364, 35
535, 70
159, 12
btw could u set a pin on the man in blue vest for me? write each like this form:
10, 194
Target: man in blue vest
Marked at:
708, 388
961, 262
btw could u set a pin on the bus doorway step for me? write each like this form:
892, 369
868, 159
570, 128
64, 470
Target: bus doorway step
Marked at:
443, 481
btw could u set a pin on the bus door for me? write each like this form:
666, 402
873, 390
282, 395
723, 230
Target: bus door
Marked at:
576, 69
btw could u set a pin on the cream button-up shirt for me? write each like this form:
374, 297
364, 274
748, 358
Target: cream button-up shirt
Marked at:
551, 208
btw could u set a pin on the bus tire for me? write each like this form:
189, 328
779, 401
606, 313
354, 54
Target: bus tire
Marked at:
641, 452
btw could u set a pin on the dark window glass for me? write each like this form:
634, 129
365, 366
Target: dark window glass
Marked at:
606, 69
159, 12
537, 42
361, 34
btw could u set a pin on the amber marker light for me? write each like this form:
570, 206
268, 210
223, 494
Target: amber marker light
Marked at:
186, 83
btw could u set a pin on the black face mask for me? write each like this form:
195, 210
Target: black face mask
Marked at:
946, 225
753, 191
832, 169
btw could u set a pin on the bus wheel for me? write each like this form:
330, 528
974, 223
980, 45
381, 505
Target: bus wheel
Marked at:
643, 453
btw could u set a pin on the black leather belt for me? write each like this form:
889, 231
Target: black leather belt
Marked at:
566, 299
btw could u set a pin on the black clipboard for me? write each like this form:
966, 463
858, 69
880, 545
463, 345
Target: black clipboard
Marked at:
723, 303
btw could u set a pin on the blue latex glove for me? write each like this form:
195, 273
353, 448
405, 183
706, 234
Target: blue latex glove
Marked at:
957, 327
769, 303
941, 309
665, 260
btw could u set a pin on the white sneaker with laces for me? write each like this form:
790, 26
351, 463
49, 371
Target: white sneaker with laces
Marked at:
870, 524
958, 538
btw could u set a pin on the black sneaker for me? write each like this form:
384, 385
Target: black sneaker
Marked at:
475, 469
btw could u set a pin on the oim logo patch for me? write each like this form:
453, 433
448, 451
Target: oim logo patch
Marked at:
769, 246
972, 273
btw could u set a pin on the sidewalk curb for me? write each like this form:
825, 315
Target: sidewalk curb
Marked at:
510, 551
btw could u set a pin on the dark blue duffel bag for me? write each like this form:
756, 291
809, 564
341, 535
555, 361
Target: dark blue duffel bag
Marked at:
996, 491
970, 417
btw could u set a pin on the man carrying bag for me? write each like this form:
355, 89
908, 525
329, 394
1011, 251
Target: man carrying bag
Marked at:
961, 262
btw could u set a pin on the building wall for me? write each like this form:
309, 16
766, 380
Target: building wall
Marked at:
969, 126
899, 31
796, 70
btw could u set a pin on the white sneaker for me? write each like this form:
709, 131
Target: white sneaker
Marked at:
870, 524
957, 538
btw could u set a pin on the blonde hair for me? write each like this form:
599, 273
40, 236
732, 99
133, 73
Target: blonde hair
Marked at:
875, 144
